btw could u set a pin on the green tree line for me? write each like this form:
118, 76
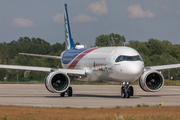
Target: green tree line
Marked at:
153, 52
9, 54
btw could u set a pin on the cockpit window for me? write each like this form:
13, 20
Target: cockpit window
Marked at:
137, 58
128, 58
120, 58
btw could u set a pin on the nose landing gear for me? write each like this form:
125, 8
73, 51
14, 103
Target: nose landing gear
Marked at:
126, 90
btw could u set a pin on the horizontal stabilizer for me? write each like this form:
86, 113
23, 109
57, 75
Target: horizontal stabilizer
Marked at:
38, 55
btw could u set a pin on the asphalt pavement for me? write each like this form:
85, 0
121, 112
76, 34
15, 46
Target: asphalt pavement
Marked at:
92, 96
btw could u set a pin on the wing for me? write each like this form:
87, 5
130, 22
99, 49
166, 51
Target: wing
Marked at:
38, 55
43, 69
163, 67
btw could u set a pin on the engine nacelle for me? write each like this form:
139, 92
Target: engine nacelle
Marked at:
57, 82
151, 81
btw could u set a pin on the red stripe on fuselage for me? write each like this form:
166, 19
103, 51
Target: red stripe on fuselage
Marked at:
77, 59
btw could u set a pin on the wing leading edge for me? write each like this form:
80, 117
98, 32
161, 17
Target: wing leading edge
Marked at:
162, 67
38, 55
43, 69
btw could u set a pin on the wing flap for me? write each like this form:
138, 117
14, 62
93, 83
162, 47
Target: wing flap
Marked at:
163, 67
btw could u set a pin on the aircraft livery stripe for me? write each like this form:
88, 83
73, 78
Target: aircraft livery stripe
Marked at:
77, 59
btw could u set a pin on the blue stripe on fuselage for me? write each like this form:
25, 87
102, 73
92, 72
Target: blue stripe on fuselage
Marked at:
70, 54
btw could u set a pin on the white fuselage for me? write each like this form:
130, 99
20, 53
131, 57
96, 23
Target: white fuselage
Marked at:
102, 65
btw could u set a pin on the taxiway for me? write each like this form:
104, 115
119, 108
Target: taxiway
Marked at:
92, 96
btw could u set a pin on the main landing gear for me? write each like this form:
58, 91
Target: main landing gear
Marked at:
126, 90
68, 91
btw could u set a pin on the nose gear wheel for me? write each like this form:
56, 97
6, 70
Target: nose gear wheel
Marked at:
126, 91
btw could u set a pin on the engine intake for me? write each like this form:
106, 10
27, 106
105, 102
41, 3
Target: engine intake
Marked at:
151, 81
57, 82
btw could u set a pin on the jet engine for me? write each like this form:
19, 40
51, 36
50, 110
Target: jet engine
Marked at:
57, 82
151, 81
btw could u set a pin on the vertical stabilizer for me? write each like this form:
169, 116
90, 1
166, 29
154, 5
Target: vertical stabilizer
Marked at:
68, 38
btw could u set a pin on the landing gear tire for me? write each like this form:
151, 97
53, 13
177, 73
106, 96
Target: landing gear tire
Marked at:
69, 92
62, 94
123, 95
126, 90
127, 95
131, 91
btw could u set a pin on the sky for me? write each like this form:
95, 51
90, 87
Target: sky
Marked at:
135, 19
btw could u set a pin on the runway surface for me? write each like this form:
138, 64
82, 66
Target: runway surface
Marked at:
92, 96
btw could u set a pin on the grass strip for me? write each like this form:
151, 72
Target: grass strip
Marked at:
118, 113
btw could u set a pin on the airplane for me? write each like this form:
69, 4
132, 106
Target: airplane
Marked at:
97, 64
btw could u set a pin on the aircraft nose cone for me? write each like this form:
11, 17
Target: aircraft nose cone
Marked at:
134, 70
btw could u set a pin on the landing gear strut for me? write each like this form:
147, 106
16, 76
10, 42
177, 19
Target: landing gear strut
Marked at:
69, 92
126, 91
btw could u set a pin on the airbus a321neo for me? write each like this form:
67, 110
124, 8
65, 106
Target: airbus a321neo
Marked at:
97, 64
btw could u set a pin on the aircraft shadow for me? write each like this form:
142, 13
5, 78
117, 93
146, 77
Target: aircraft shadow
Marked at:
132, 97
91, 95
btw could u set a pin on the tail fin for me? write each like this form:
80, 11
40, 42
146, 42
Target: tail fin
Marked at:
68, 38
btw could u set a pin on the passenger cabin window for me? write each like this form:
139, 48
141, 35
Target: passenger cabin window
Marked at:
128, 58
